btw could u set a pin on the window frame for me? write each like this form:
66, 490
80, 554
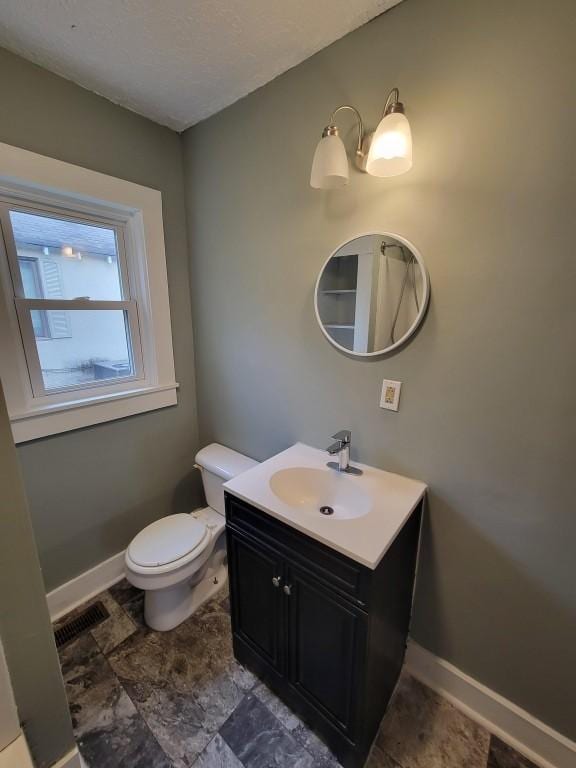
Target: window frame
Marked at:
25, 306
47, 334
37, 184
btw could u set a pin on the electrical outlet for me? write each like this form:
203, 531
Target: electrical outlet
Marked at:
390, 398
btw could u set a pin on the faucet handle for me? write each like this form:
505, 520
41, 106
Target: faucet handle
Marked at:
343, 436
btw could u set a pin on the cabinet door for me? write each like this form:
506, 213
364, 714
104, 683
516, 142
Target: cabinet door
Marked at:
256, 579
326, 648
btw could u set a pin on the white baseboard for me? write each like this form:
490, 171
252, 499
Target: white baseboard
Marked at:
75, 592
16, 753
71, 760
537, 741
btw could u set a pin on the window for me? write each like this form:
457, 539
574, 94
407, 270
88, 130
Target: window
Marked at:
87, 336
77, 319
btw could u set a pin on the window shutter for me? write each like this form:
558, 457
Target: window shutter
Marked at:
58, 319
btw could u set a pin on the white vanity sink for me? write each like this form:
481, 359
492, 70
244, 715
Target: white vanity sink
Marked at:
365, 512
323, 491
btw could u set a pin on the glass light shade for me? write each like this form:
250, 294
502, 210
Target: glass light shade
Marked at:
330, 164
390, 152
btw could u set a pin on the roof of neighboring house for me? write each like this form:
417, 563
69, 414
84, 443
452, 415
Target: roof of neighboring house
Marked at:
42, 231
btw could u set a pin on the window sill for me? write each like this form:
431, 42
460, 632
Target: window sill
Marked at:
46, 420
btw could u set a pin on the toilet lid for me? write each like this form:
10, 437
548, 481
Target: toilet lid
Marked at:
167, 540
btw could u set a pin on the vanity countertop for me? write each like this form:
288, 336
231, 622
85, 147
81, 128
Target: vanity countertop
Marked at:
385, 501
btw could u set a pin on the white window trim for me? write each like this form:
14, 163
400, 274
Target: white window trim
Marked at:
31, 177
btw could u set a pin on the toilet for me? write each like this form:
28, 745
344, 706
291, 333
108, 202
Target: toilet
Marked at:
180, 560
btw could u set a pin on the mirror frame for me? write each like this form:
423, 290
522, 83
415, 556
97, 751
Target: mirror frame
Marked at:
419, 318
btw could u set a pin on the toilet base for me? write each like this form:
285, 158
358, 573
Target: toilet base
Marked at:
165, 608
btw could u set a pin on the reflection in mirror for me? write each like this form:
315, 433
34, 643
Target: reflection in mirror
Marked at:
372, 294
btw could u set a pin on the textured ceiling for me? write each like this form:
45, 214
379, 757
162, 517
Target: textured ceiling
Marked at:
176, 61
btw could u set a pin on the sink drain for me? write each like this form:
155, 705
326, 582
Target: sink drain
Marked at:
326, 510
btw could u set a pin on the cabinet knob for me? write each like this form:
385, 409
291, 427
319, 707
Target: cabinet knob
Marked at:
276, 581
288, 589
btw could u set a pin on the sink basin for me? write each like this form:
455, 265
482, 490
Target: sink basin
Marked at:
323, 493
367, 511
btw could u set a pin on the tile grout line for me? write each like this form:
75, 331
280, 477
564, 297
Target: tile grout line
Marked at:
101, 649
117, 679
142, 715
218, 734
280, 723
149, 729
224, 723
120, 683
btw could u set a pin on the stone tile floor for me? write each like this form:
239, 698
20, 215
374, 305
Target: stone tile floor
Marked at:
144, 699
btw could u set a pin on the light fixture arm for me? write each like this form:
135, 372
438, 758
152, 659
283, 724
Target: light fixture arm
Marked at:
393, 103
332, 128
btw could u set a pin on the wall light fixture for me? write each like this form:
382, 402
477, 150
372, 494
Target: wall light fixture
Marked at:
386, 152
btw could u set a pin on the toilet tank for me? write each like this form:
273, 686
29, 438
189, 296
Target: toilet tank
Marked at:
219, 464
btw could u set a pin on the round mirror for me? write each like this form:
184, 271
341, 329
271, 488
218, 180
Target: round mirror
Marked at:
372, 294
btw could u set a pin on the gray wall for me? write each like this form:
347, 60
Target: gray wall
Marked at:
90, 491
487, 414
25, 629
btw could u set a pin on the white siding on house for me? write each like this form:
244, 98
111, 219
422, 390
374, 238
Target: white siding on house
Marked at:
79, 337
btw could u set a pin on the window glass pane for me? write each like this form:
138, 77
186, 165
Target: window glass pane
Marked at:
69, 260
86, 346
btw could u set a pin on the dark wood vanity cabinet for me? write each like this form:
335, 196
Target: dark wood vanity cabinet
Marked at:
326, 633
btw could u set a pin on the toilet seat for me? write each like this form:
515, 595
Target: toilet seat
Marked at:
168, 543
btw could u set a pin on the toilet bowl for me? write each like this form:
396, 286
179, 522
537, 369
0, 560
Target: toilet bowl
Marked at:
180, 560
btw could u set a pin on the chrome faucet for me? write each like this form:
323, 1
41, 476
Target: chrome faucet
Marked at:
341, 448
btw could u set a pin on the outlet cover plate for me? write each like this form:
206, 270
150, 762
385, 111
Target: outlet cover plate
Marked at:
390, 398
